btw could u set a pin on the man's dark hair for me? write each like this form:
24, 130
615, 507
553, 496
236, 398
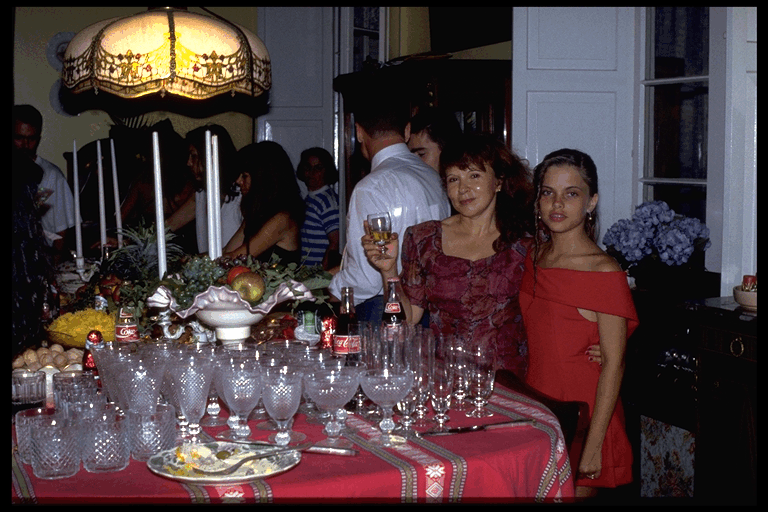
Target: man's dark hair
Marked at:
28, 114
440, 126
377, 109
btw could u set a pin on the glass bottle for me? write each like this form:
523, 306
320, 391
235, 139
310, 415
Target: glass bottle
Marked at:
346, 339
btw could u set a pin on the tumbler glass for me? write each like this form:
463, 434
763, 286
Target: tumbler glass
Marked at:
105, 442
153, 432
55, 448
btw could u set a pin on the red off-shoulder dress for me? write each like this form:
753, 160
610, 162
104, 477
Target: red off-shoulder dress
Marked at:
558, 337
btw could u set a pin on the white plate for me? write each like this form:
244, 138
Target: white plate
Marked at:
177, 463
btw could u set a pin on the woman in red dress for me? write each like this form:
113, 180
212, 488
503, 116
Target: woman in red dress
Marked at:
573, 295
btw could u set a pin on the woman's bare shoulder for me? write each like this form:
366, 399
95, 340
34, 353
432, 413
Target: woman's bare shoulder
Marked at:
602, 262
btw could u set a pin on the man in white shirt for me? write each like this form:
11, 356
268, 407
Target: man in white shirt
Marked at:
399, 183
60, 214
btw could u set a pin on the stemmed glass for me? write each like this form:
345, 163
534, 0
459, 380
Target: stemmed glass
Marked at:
139, 379
441, 387
192, 374
385, 387
481, 373
424, 344
380, 225
239, 379
457, 347
330, 390
281, 395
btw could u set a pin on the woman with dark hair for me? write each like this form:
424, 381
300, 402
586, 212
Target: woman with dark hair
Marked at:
271, 205
574, 295
466, 269
195, 208
32, 270
320, 232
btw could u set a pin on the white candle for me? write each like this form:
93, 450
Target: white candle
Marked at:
102, 206
209, 194
216, 197
78, 221
159, 214
116, 189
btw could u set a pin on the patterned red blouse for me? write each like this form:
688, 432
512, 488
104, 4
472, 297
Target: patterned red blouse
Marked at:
474, 299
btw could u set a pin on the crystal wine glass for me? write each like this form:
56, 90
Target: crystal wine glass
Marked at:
457, 347
281, 395
330, 390
192, 374
239, 380
426, 346
480, 380
385, 387
441, 386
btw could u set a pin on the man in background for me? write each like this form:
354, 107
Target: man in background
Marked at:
429, 131
399, 183
53, 191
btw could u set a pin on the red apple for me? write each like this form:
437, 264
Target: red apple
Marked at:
236, 271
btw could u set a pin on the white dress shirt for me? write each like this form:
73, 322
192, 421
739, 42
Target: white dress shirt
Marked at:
403, 185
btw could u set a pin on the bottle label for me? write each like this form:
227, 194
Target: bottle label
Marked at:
392, 307
341, 343
126, 333
354, 345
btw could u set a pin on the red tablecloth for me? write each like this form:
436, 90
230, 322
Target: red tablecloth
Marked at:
525, 463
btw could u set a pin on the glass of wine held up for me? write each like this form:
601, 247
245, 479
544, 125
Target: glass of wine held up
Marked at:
381, 228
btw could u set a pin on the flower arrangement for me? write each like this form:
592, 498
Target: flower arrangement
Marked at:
656, 232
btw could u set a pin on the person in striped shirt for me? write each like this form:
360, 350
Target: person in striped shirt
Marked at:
320, 232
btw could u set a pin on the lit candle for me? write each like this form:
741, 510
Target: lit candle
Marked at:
209, 194
159, 217
102, 207
78, 227
216, 198
116, 189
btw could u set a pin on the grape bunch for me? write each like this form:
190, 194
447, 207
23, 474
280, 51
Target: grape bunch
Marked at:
197, 274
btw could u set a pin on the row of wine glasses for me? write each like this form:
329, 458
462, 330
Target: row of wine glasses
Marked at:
406, 368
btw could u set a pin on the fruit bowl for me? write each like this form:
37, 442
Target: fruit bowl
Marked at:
226, 311
747, 300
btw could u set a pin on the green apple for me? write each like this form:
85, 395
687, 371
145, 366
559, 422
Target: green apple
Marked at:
250, 286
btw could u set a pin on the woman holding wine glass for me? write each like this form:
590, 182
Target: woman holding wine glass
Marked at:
466, 269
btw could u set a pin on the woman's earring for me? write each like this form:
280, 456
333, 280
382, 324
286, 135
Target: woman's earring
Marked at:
589, 215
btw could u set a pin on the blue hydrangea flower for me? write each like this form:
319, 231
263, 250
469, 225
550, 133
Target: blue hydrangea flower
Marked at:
655, 231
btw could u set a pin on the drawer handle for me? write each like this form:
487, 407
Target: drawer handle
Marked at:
737, 347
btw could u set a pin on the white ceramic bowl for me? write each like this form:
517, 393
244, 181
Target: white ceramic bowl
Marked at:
747, 300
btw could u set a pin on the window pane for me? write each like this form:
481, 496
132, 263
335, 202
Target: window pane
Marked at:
681, 46
677, 142
688, 200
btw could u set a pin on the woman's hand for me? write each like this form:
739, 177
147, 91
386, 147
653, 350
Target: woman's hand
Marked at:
382, 257
594, 354
590, 465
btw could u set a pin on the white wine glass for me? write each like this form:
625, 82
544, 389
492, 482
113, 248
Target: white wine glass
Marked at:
239, 381
281, 396
441, 390
385, 387
330, 390
480, 379
380, 225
